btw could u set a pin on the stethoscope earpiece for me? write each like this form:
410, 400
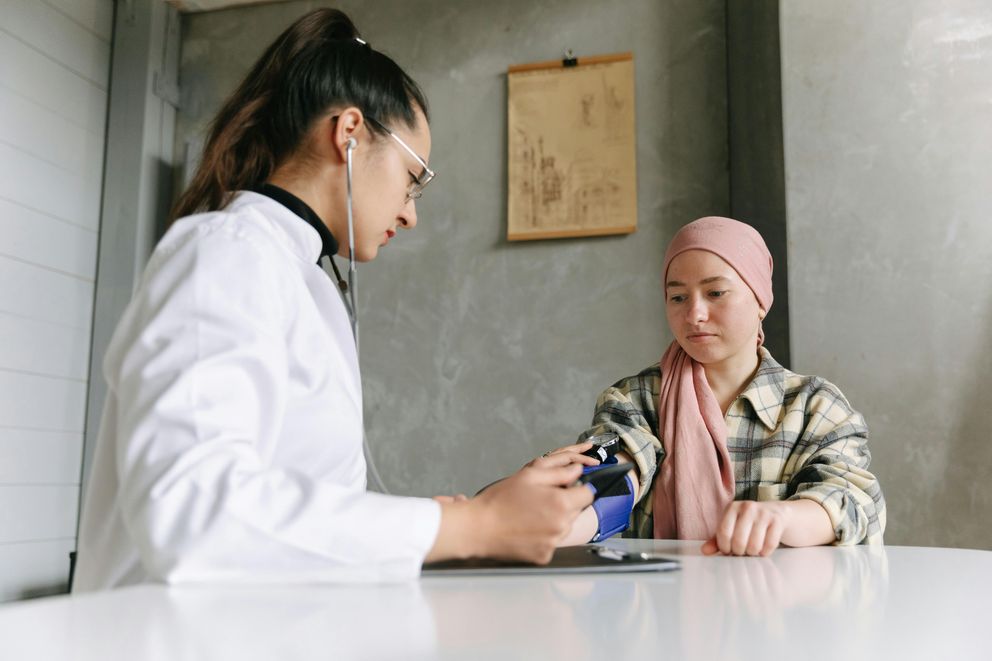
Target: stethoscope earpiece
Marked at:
352, 300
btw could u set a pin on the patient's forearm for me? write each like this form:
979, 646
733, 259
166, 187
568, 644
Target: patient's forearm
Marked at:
586, 524
582, 530
808, 524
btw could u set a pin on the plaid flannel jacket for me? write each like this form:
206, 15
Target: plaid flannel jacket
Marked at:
789, 436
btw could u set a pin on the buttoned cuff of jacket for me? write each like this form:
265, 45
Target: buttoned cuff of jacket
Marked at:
849, 522
410, 527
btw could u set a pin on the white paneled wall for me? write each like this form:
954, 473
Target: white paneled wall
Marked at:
54, 72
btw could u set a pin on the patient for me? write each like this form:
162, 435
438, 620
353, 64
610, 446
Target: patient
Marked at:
730, 447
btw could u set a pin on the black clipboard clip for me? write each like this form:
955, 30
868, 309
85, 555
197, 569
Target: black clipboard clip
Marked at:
569, 59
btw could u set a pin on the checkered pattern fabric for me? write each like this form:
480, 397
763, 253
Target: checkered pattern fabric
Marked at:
789, 437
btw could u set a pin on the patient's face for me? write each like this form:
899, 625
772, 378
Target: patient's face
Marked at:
711, 310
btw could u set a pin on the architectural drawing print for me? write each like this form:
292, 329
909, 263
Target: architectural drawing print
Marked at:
572, 150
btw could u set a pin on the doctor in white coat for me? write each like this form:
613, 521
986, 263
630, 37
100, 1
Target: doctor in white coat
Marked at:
231, 442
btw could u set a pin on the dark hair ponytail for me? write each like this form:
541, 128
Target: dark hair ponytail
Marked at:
316, 63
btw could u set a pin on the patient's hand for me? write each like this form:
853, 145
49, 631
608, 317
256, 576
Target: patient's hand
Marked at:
757, 528
748, 527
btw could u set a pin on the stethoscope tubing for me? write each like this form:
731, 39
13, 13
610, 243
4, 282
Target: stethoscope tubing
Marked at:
352, 306
352, 271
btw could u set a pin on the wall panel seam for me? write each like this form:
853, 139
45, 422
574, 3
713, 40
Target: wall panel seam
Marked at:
42, 540
73, 19
52, 269
48, 57
48, 214
43, 159
68, 118
44, 375
42, 429
51, 322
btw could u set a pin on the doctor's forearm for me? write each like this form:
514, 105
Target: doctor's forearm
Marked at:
459, 533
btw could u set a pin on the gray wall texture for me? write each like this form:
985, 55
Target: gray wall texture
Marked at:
479, 354
888, 152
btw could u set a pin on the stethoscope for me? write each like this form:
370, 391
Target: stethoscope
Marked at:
348, 289
350, 297
352, 271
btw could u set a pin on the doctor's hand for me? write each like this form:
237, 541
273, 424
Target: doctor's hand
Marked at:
522, 517
572, 452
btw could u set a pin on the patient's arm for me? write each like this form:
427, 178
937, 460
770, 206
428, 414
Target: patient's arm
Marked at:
586, 524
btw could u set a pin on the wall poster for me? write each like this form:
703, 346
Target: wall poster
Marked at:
571, 152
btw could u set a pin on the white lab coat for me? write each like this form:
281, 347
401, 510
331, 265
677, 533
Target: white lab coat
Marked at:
230, 447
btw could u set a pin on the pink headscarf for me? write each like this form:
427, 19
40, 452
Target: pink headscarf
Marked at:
695, 482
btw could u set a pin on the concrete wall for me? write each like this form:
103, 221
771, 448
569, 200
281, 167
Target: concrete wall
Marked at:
479, 354
888, 151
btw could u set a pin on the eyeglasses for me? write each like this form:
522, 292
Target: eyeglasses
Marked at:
421, 180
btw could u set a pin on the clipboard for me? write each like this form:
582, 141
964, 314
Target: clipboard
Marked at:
582, 559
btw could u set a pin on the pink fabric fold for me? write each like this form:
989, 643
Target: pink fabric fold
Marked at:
695, 482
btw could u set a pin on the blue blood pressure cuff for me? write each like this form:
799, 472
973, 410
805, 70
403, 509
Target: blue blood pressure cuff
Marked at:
612, 506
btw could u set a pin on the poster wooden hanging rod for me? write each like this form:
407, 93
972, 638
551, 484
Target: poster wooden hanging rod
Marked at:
579, 61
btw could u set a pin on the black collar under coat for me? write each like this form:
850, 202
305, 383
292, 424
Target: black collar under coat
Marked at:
329, 245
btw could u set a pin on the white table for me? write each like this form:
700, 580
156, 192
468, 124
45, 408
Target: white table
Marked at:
820, 603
